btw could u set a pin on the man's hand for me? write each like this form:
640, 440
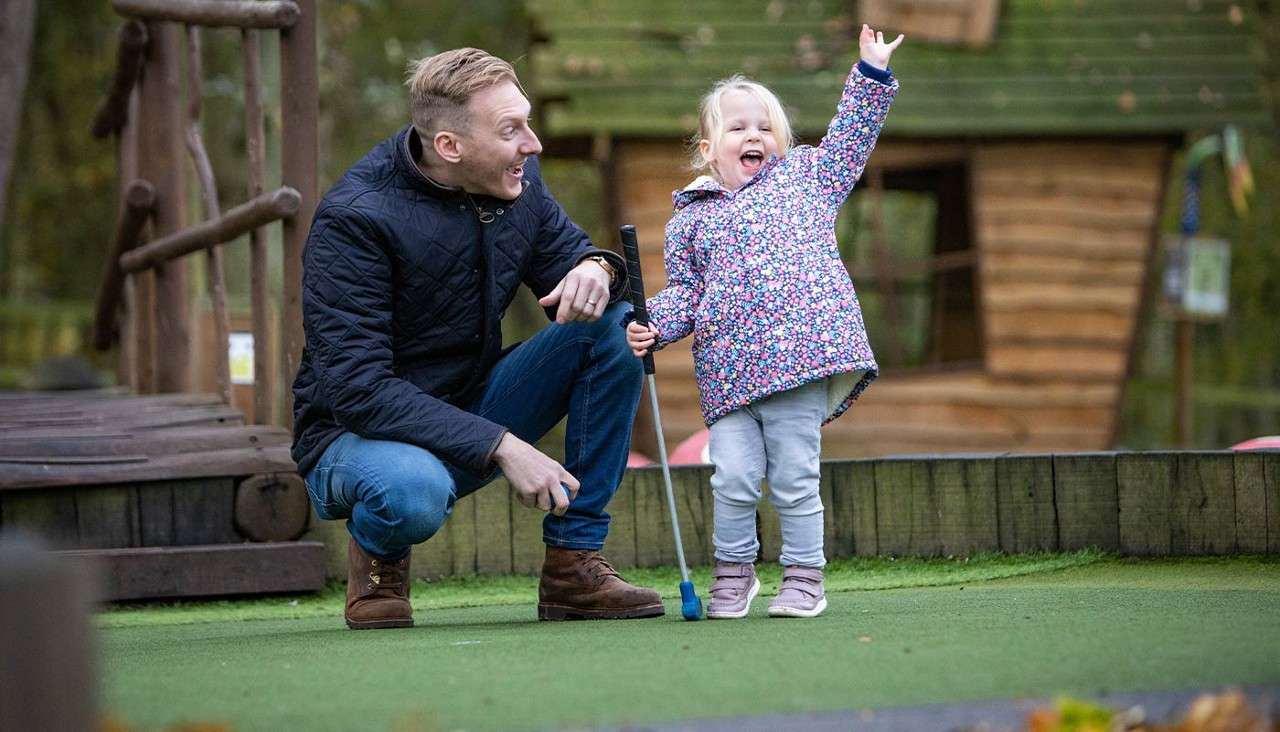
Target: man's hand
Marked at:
874, 50
536, 477
583, 294
641, 338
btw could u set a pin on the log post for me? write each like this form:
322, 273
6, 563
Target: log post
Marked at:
216, 280
113, 113
48, 676
300, 108
126, 172
160, 161
272, 507
264, 371
139, 199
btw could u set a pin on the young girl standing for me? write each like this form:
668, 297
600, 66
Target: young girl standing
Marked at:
754, 272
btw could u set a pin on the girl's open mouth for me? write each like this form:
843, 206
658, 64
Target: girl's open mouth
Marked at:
751, 161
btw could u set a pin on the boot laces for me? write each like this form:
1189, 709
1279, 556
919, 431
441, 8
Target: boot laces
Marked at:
599, 567
386, 575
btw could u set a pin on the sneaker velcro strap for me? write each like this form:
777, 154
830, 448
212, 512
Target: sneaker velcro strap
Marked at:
731, 570
809, 590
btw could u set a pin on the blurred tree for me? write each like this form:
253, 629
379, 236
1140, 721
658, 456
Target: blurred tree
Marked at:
365, 51
59, 223
17, 20
1237, 360
53, 243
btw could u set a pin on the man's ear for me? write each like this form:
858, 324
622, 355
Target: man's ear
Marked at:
447, 146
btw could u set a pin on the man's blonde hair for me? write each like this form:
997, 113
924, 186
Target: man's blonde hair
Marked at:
711, 116
441, 85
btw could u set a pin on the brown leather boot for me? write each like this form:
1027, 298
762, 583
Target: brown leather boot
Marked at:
579, 584
377, 591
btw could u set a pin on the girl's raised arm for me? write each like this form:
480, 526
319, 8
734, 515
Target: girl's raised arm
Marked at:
864, 104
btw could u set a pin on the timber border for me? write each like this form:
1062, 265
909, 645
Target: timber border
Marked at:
1144, 504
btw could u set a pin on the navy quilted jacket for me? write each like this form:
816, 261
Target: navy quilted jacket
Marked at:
404, 283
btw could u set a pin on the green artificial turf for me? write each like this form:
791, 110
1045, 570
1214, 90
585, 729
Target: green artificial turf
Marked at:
951, 631
841, 575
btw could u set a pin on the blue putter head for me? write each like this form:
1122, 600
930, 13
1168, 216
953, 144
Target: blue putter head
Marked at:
690, 603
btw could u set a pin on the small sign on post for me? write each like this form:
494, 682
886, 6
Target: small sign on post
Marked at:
1197, 278
240, 357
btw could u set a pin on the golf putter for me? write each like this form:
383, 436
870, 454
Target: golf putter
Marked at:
690, 603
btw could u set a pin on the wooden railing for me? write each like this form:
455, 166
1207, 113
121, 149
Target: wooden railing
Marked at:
142, 299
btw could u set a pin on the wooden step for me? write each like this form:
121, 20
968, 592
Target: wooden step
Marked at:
20, 473
150, 442
147, 573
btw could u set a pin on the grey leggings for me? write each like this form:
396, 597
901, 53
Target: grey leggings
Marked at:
777, 438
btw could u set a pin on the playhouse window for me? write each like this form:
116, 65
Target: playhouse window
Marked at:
951, 22
906, 238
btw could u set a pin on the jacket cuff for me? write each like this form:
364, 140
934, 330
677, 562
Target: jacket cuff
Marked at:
884, 76
488, 466
618, 285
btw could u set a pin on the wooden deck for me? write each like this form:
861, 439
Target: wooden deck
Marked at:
170, 495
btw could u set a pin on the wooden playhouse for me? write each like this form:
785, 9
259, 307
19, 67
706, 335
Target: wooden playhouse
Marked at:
1006, 229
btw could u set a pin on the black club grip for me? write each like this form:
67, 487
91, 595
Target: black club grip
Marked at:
635, 282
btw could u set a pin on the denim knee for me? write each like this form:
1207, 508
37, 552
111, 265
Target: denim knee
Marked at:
406, 501
802, 502
610, 330
736, 487
419, 513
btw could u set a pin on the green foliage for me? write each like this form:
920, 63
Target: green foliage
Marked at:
366, 48
1082, 716
61, 212
63, 186
1237, 360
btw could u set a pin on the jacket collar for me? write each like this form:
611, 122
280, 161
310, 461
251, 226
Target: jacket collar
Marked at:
408, 150
704, 186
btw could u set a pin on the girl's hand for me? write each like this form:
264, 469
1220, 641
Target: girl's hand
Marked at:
641, 338
874, 50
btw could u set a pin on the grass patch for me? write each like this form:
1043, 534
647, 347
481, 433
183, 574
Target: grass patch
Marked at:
844, 575
951, 631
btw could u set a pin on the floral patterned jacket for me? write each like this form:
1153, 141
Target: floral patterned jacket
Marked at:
756, 275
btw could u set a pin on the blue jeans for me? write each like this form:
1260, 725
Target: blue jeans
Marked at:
395, 495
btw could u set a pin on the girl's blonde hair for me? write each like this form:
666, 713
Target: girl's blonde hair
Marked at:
711, 118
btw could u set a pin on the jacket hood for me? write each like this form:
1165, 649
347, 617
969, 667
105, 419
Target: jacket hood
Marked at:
704, 186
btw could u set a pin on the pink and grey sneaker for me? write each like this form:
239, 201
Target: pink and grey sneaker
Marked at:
801, 595
734, 588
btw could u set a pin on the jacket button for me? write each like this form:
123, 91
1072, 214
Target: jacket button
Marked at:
476, 338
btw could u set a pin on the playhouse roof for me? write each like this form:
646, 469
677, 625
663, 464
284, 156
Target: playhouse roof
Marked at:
1054, 67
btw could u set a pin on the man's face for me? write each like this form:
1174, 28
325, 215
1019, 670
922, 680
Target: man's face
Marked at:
497, 142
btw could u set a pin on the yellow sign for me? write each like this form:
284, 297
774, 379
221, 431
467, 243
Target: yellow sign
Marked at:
240, 357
